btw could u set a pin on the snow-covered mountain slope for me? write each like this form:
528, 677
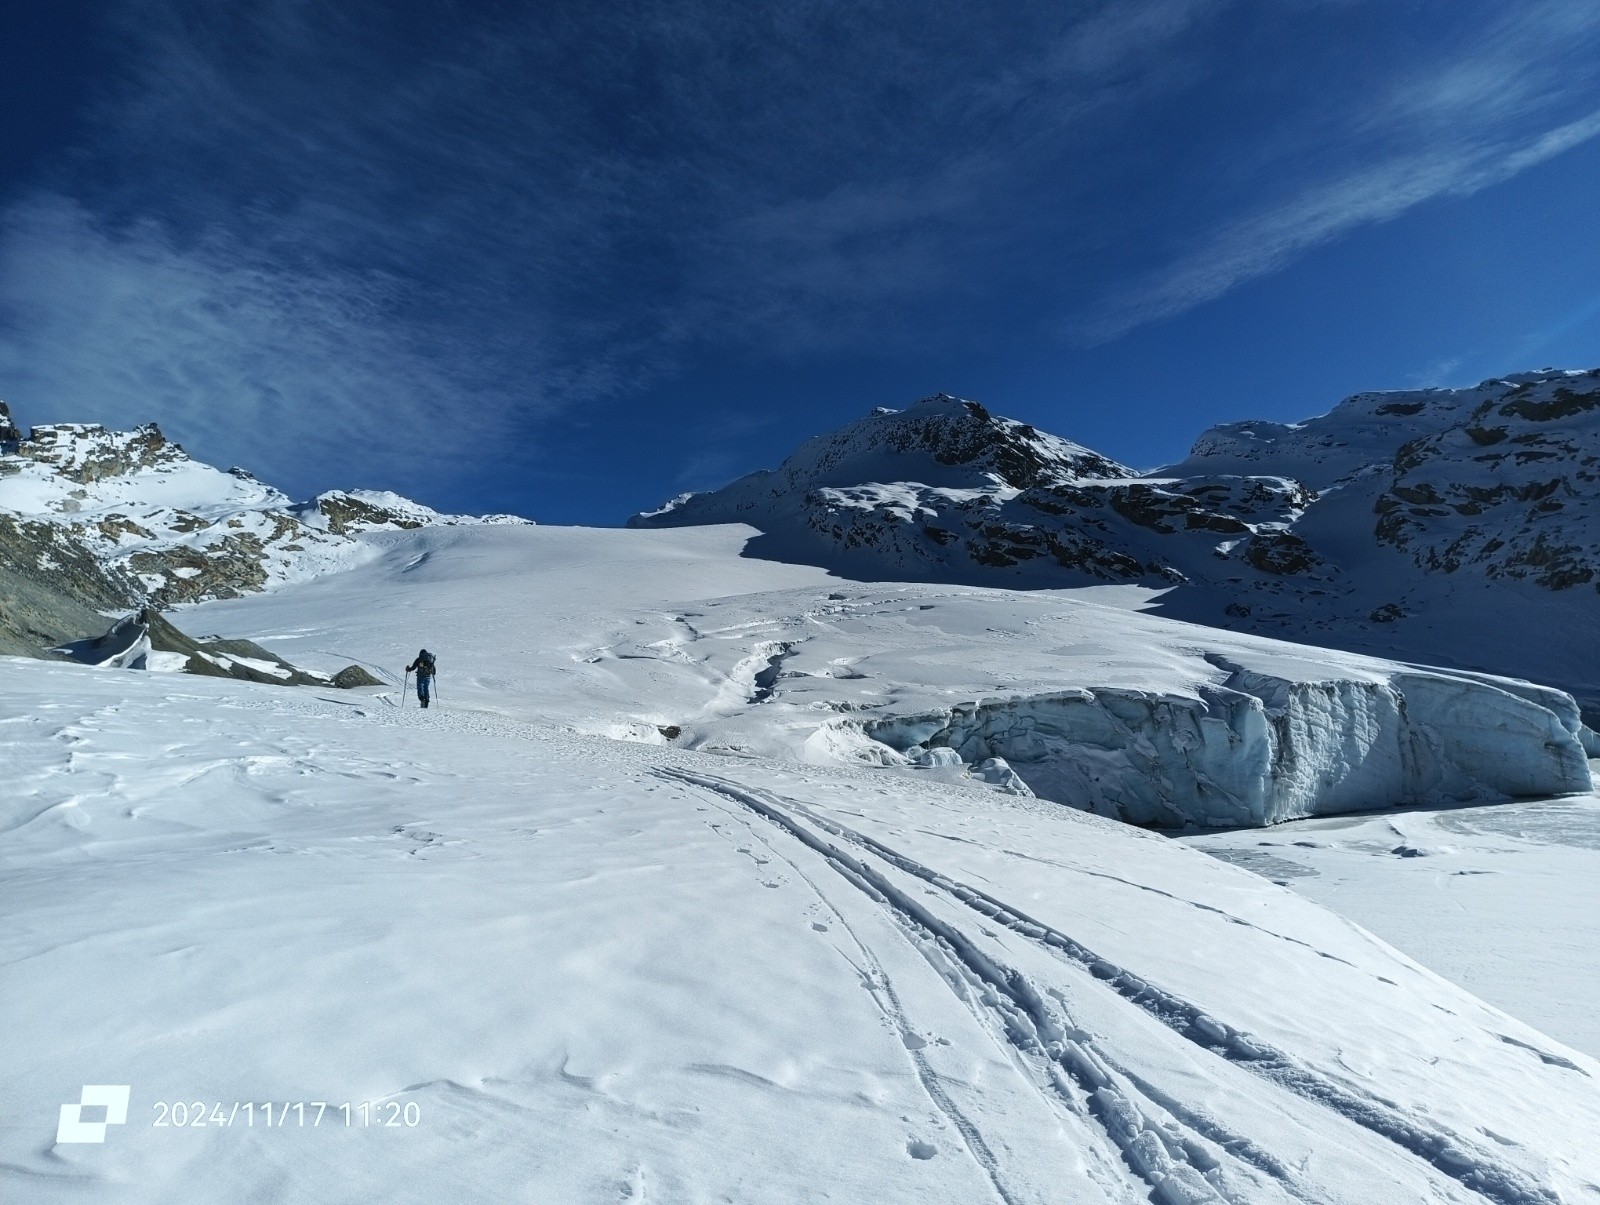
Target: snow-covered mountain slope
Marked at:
163, 527
351, 512
942, 442
1128, 714
688, 977
1365, 429
919, 492
1405, 524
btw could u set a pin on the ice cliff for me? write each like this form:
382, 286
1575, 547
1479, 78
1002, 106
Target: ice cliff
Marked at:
1122, 713
1261, 749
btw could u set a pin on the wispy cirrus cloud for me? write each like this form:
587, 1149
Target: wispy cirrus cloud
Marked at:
348, 218
1452, 126
369, 219
292, 372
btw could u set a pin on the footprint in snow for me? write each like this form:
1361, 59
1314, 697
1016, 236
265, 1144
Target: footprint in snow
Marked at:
921, 1150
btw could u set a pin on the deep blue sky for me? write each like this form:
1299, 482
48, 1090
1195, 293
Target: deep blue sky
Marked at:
569, 258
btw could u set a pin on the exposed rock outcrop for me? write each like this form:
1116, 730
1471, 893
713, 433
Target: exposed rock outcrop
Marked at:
8, 429
167, 529
51, 589
146, 640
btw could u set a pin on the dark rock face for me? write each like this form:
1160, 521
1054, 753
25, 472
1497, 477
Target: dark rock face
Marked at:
1280, 552
44, 553
346, 514
51, 589
85, 452
1105, 530
130, 641
8, 429
1510, 491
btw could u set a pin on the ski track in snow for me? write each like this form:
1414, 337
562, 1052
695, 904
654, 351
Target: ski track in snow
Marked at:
1133, 1133
877, 982
1035, 1027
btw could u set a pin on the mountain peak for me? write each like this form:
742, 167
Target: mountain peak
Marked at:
167, 528
939, 442
87, 452
949, 403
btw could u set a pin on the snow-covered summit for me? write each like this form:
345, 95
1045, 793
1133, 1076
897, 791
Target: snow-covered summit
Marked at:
941, 442
349, 512
1363, 431
85, 470
166, 528
945, 490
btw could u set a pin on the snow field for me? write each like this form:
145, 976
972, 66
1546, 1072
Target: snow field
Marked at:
629, 633
738, 962
1501, 899
596, 965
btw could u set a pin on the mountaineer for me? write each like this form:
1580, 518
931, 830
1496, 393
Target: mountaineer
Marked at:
425, 668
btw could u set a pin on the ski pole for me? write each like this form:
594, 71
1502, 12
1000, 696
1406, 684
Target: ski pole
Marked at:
405, 688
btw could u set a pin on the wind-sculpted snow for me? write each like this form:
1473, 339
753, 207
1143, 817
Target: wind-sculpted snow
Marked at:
600, 970
1501, 899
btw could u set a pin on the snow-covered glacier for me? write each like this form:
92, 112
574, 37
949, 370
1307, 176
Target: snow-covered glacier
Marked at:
1090, 704
1446, 526
870, 980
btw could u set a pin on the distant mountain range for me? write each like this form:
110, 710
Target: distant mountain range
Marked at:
94, 521
1455, 526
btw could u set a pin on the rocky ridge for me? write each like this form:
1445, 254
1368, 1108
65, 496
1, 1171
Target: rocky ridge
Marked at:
1342, 529
146, 640
94, 521
946, 489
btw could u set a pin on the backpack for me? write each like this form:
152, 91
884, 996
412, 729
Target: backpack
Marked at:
426, 666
